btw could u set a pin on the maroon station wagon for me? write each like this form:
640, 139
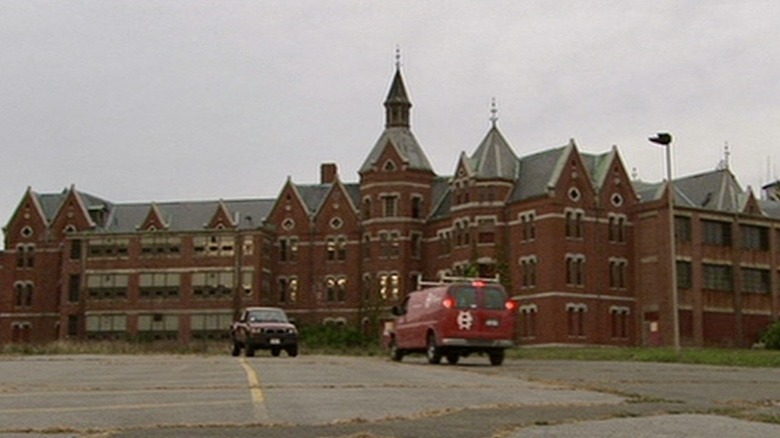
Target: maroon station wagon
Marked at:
452, 321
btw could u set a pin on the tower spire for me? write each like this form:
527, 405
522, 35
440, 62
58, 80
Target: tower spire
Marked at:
493, 112
397, 104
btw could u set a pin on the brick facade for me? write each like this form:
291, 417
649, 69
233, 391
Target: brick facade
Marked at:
582, 247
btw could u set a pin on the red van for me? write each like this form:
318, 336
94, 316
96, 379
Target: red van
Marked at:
453, 320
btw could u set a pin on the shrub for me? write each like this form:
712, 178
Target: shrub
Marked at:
771, 337
333, 336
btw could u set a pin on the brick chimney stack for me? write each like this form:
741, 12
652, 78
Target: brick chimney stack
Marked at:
328, 173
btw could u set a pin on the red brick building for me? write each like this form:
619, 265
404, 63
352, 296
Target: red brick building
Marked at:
583, 248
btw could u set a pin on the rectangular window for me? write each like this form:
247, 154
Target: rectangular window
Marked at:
755, 238
75, 249
159, 285
718, 277
210, 326
214, 245
527, 324
163, 246
288, 249
576, 321
108, 248
416, 245
390, 204
107, 286
74, 288
486, 230
682, 229
716, 233
755, 280
417, 207
106, 327
684, 275
575, 274
213, 285
528, 227
158, 326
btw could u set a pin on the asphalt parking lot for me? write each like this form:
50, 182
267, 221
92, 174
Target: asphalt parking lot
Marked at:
333, 396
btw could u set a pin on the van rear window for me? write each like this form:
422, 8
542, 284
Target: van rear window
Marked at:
466, 297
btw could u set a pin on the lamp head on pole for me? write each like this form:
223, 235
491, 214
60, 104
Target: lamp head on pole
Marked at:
662, 138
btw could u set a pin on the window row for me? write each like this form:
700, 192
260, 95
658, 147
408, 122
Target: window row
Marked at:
575, 321
720, 233
159, 245
159, 285
718, 277
153, 326
389, 205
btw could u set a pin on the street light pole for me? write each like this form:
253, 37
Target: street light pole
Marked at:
665, 139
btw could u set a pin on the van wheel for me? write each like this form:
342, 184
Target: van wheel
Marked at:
496, 357
433, 352
452, 358
396, 354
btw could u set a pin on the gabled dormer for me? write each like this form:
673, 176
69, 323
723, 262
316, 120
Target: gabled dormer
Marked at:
750, 204
28, 223
571, 182
72, 215
154, 220
222, 218
290, 213
611, 180
336, 213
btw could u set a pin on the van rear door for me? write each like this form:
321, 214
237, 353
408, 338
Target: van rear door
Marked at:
482, 312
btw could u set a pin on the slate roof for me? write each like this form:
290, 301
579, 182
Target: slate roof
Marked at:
537, 172
494, 158
714, 190
406, 145
188, 215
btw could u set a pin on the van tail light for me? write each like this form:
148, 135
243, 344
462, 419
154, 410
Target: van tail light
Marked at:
478, 283
510, 305
448, 303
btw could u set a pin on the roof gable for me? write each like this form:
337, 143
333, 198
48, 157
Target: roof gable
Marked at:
494, 157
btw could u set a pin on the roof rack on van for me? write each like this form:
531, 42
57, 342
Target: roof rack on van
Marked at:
447, 279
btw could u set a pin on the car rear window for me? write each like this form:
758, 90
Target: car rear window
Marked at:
466, 297
495, 299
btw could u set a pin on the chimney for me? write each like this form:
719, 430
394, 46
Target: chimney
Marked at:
328, 173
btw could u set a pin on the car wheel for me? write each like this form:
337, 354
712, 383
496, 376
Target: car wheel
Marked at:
249, 351
236, 350
276, 352
396, 354
433, 352
452, 358
496, 357
292, 351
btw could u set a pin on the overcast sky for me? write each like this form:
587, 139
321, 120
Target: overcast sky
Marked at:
163, 100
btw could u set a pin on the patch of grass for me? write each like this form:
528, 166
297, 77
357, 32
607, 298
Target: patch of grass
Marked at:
703, 356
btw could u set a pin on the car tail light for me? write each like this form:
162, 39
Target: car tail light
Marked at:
510, 305
478, 283
448, 302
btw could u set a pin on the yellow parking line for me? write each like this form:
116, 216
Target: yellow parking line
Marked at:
254, 382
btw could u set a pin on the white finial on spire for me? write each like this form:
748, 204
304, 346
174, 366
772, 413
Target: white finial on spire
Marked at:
397, 57
724, 163
493, 112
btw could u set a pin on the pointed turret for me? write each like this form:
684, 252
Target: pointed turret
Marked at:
397, 104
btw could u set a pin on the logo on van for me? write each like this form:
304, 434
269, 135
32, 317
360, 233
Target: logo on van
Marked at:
465, 320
